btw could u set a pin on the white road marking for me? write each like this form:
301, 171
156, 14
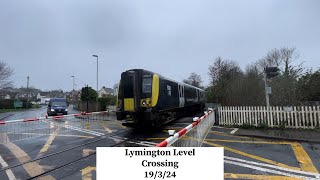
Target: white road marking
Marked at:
221, 127
118, 139
142, 144
77, 129
8, 171
234, 130
148, 142
271, 166
266, 170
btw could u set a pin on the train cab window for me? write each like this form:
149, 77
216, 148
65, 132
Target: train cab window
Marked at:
146, 85
128, 87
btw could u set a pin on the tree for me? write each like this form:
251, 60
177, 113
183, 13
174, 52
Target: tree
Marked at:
284, 86
5, 73
225, 77
92, 94
194, 80
232, 86
309, 86
115, 88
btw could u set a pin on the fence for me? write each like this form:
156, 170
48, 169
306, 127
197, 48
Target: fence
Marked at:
286, 117
192, 135
21, 129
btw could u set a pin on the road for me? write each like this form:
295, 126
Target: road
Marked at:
65, 149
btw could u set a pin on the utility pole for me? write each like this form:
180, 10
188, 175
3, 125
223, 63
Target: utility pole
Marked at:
27, 92
87, 95
266, 90
97, 81
73, 92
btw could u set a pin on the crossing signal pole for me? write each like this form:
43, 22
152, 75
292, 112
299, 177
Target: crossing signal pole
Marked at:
269, 72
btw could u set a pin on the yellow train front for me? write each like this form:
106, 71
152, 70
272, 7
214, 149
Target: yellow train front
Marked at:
146, 99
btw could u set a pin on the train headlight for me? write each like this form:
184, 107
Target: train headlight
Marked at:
144, 102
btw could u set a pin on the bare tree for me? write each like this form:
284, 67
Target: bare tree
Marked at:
283, 86
273, 58
194, 80
5, 73
225, 76
288, 57
222, 67
115, 88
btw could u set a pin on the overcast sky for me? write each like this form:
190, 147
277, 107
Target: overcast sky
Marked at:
52, 40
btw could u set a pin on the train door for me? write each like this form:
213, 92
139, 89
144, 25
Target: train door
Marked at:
197, 92
130, 91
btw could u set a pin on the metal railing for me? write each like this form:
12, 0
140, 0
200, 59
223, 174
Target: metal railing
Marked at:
21, 129
193, 135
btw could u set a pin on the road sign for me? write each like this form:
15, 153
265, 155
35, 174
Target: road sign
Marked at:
269, 91
287, 108
17, 104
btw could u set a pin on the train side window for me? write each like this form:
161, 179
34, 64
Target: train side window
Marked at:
182, 91
146, 85
169, 90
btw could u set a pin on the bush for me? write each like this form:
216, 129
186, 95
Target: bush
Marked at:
106, 101
6, 104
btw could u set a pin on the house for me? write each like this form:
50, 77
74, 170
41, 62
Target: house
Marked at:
73, 96
56, 94
43, 97
25, 96
4, 95
106, 91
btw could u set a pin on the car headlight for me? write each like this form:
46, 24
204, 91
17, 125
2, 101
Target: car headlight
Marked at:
52, 110
66, 109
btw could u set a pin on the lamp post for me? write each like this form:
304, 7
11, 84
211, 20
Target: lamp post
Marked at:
73, 91
27, 92
97, 80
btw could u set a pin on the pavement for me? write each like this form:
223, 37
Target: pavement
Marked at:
282, 134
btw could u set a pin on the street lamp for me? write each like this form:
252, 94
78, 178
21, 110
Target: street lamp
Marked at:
73, 92
97, 81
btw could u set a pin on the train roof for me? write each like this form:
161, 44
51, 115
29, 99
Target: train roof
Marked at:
166, 78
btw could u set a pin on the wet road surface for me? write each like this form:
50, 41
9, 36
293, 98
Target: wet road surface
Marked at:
65, 149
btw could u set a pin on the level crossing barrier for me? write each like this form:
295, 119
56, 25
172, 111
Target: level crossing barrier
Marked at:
194, 134
20, 129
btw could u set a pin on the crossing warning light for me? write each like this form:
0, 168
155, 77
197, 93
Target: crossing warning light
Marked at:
271, 72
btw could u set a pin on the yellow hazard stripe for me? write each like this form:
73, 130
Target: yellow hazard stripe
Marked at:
303, 158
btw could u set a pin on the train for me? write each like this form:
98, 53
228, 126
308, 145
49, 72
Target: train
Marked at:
148, 100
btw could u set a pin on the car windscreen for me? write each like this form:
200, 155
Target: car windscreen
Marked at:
58, 103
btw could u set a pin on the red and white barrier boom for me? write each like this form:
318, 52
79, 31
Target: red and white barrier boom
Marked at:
21, 129
192, 135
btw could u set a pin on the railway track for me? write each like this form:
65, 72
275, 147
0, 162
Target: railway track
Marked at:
93, 143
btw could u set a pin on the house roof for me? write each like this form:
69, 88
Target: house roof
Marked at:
44, 93
108, 90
